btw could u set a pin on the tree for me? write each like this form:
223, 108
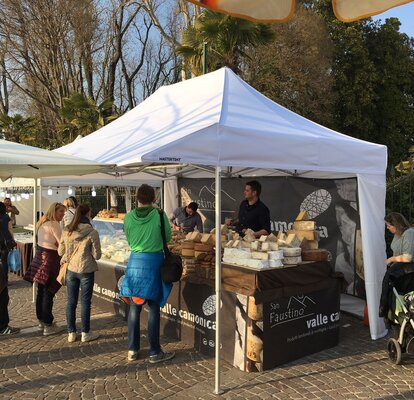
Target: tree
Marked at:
393, 56
295, 69
18, 129
81, 116
373, 79
227, 37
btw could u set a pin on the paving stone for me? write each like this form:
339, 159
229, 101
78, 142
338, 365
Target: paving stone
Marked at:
36, 367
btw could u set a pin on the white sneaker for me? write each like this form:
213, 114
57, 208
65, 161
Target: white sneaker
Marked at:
52, 329
72, 337
132, 355
40, 326
89, 336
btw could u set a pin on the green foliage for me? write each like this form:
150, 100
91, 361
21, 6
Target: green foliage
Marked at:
19, 129
81, 116
373, 73
227, 39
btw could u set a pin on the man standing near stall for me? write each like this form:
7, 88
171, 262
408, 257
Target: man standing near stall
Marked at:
11, 210
187, 218
253, 214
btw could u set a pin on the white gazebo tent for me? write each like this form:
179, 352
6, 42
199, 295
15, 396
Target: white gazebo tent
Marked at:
18, 160
220, 121
22, 161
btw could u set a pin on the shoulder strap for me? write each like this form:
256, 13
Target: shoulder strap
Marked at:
164, 240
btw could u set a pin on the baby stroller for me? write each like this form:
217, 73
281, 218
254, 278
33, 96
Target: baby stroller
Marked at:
397, 308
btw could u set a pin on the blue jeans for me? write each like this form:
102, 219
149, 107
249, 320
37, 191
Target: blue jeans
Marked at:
73, 282
153, 327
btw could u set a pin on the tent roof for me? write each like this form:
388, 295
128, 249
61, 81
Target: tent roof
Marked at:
218, 119
19, 160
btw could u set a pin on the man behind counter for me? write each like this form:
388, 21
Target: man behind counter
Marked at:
187, 218
253, 214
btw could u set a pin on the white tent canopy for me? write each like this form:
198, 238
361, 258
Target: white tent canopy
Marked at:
18, 160
219, 120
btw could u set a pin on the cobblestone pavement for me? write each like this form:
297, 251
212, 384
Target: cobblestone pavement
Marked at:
37, 367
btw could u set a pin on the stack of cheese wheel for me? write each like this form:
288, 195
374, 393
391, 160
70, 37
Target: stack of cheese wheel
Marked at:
254, 347
200, 248
254, 311
292, 255
187, 249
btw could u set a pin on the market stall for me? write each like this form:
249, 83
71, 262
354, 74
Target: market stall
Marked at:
220, 121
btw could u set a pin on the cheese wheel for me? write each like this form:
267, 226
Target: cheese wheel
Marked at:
292, 251
255, 311
188, 245
315, 255
254, 347
197, 254
292, 260
202, 247
187, 253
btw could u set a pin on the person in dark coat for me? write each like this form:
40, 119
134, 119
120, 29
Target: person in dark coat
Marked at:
6, 237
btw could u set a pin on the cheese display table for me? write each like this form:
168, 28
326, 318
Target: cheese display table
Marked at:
270, 317
25, 245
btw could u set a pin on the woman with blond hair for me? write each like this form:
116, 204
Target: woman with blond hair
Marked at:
70, 203
80, 248
45, 266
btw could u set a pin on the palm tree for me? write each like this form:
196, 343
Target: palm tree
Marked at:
17, 128
227, 38
81, 115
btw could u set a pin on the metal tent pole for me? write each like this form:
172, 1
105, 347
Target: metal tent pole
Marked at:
35, 201
217, 389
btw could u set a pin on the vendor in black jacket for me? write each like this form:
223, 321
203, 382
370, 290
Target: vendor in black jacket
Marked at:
253, 214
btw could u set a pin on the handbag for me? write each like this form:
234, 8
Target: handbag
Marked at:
61, 278
172, 267
14, 260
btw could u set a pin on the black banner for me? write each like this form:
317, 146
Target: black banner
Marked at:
300, 325
331, 203
108, 281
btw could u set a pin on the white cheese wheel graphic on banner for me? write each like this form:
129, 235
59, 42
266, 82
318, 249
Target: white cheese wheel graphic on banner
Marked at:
209, 305
316, 203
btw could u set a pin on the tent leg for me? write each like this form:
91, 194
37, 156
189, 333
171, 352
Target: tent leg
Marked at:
35, 202
217, 389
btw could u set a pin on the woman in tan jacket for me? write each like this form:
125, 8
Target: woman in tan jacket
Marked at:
80, 247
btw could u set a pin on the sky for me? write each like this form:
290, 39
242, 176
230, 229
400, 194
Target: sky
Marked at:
404, 13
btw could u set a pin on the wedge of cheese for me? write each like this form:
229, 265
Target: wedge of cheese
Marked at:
272, 238
207, 238
263, 238
265, 246
254, 245
273, 246
249, 237
308, 235
302, 216
304, 226
281, 236
292, 240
